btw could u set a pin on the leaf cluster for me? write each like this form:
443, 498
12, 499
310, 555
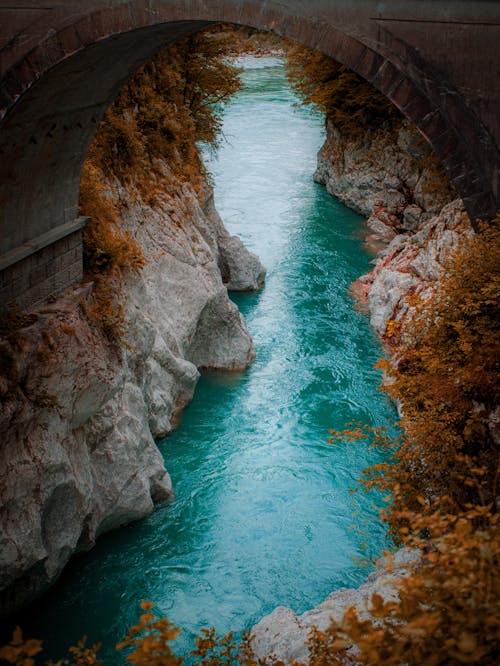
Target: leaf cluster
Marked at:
147, 643
352, 104
173, 101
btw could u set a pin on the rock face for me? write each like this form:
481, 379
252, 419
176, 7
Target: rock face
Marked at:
78, 414
414, 221
414, 218
410, 265
388, 173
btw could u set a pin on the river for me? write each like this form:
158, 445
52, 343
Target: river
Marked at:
263, 515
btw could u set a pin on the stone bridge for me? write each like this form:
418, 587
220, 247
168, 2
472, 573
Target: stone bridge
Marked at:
63, 61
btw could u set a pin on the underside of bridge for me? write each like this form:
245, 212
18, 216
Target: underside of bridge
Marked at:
62, 63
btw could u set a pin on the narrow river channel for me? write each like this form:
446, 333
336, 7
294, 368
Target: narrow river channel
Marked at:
262, 515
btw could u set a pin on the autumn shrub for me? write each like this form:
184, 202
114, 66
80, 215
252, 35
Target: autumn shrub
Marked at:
442, 483
148, 643
171, 103
442, 480
447, 380
348, 101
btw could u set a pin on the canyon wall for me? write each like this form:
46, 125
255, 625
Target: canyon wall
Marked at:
79, 413
414, 218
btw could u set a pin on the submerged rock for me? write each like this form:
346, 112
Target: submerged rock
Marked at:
79, 414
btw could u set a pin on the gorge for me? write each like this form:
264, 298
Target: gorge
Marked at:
277, 492
386, 176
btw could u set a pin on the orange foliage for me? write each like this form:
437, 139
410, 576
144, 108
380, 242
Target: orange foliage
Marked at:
350, 102
19, 651
355, 107
150, 639
443, 478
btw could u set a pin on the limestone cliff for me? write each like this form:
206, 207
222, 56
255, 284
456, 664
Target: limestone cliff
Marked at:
79, 413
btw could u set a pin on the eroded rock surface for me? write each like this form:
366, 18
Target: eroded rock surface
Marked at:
410, 265
79, 414
414, 219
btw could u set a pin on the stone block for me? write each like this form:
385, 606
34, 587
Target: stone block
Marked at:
403, 93
70, 40
11, 84
480, 206
433, 124
37, 274
446, 142
387, 78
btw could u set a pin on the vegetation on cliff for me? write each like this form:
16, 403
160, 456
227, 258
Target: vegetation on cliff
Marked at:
442, 487
358, 113
146, 147
347, 100
442, 482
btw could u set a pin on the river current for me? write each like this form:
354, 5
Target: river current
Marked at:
263, 515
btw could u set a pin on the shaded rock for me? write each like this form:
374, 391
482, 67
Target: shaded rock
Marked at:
382, 230
387, 290
241, 270
412, 216
413, 263
384, 170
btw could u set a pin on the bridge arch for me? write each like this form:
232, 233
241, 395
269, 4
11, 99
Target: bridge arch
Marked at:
62, 64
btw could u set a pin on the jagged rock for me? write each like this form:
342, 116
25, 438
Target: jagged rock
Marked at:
412, 263
386, 291
78, 413
412, 216
428, 195
388, 175
381, 227
382, 169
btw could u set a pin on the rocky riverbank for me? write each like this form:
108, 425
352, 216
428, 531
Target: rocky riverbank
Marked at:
285, 634
79, 413
414, 219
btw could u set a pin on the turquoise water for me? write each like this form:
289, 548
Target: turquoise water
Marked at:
262, 515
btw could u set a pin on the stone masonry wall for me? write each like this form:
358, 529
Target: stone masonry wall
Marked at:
43, 275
